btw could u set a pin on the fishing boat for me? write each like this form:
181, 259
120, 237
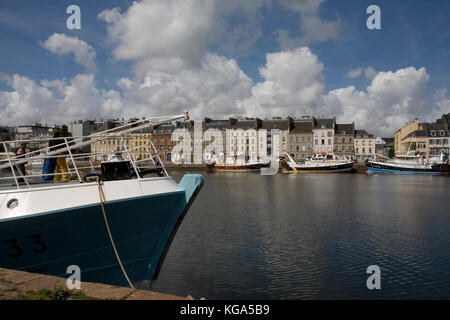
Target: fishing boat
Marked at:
319, 163
407, 164
112, 220
236, 163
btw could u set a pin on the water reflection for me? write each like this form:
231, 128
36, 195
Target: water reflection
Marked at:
312, 236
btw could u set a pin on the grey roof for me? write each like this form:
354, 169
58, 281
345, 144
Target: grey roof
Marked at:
416, 134
362, 134
348, 128
437, 127
185, 124
446, 117
301, 127
328, 123
280, 124
244, 124
164, 129
216, 124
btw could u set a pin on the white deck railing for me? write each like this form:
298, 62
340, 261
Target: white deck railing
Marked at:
77, 164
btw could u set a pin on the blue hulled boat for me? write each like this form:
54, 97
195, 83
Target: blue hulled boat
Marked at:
114, 223
406, 164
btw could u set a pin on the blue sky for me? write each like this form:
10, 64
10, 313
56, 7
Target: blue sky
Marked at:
414, 34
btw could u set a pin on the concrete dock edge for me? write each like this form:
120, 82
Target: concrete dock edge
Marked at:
18, 285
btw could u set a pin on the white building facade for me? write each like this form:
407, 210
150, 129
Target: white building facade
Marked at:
323, 136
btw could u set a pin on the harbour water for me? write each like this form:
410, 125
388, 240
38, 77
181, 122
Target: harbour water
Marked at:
312, 236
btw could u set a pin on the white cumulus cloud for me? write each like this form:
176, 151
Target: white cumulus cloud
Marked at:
62, 44
166, 36
368, 72
293, 84
56, 101
391, 99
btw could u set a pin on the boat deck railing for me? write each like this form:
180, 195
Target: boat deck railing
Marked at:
72, 164
75, 164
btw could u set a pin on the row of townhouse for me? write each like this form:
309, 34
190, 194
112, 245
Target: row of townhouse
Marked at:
426, 139
252, 138
300, 137
243, 136
310, 136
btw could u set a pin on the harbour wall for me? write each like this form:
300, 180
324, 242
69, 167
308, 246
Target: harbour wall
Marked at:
15, 285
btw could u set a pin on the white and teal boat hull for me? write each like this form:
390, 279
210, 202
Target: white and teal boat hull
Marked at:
51, 228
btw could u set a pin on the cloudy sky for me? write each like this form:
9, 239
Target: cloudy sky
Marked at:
221, 58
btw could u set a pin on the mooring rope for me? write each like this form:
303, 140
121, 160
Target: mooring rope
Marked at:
102, 199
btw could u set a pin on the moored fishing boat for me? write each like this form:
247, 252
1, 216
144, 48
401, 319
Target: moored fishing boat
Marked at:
235, 164
407, 164
319, 163
111, 221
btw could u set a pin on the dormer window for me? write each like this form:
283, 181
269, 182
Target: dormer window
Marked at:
433, 133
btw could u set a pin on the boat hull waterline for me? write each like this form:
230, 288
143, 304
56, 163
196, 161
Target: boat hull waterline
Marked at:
344, 167
237, 167
143, 228
380, 167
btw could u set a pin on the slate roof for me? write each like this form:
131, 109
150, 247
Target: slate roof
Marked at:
416, 134
301, 127
362, 134
244, 124
280, 124
327, 123
348, 128
216, 124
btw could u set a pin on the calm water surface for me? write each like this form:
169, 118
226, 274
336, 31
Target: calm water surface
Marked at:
312, 236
